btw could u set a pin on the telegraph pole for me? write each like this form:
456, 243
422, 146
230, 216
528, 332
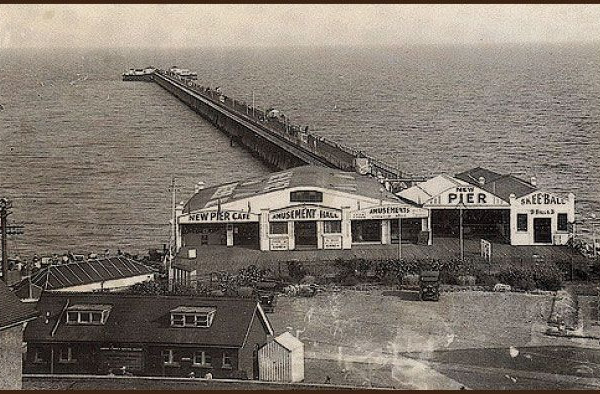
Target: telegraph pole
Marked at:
172, 240
5, 206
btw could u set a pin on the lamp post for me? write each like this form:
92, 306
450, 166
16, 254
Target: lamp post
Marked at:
399, 238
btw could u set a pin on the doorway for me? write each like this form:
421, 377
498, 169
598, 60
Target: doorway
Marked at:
542, 230
305, 233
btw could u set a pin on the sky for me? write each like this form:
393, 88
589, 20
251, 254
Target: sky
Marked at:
246, 25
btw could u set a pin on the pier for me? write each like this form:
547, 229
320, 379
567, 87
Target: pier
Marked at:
268, 135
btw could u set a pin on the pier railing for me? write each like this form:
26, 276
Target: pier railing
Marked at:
339, 155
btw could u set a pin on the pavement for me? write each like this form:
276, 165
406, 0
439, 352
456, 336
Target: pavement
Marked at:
479, 340
212, 258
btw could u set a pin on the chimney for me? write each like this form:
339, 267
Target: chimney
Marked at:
533, 181
481, 181
191, 253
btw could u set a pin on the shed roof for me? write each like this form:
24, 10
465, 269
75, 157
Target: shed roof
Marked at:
289, 341
84, 272
145, 319
500, 185
12, 310
304, 176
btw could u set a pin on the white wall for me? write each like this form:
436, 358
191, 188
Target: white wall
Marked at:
538, 209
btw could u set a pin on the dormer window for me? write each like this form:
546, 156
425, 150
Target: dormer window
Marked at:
88, 314
191, 316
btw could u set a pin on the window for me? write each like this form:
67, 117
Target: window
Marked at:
177, 320
521, 222
168, 357
203, 359
563, 223
201, 321
332, 227
192, 316
38, 356
366, 230
278, 228
306, 196
72, 317
96, 317
190, 320
65, 355
227, 360
88, 314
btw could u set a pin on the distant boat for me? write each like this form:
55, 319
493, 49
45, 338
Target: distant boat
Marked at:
1, 107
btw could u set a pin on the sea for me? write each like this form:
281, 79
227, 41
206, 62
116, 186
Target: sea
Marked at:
87, 159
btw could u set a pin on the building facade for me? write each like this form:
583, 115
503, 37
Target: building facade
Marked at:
14, 316
302, 208
146, 335
495, 207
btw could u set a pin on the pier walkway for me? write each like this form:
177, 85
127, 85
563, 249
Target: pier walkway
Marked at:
269, 135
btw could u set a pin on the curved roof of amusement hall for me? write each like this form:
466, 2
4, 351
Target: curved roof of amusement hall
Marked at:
305, 177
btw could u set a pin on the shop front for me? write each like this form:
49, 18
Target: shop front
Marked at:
383, 223
542, 218
457, 206
219, 227
304, 226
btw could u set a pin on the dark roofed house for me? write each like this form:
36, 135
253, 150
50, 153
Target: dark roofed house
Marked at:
143, 335
14, 315
107, 274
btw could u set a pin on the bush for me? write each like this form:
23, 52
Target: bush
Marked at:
467, 280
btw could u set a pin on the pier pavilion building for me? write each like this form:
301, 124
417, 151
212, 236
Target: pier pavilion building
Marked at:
306, 207
492, 206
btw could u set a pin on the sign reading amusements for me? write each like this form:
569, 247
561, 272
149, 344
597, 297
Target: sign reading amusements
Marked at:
305, 213
391, 211
215, 216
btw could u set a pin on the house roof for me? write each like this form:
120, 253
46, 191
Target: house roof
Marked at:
288, 341
500, 185
12, 310
84, 272
145, 319
304, 176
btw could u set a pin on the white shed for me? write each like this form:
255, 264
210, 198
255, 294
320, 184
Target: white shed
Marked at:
282, 359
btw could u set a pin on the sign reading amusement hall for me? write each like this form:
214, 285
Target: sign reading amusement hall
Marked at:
305, 212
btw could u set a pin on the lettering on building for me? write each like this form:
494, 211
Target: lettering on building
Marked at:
542, 199
466, 195
305, 213
218, 216
390, 212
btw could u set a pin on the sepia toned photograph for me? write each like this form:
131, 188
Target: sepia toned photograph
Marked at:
299, 196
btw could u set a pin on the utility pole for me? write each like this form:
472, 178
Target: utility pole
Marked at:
172, 240
5, 206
